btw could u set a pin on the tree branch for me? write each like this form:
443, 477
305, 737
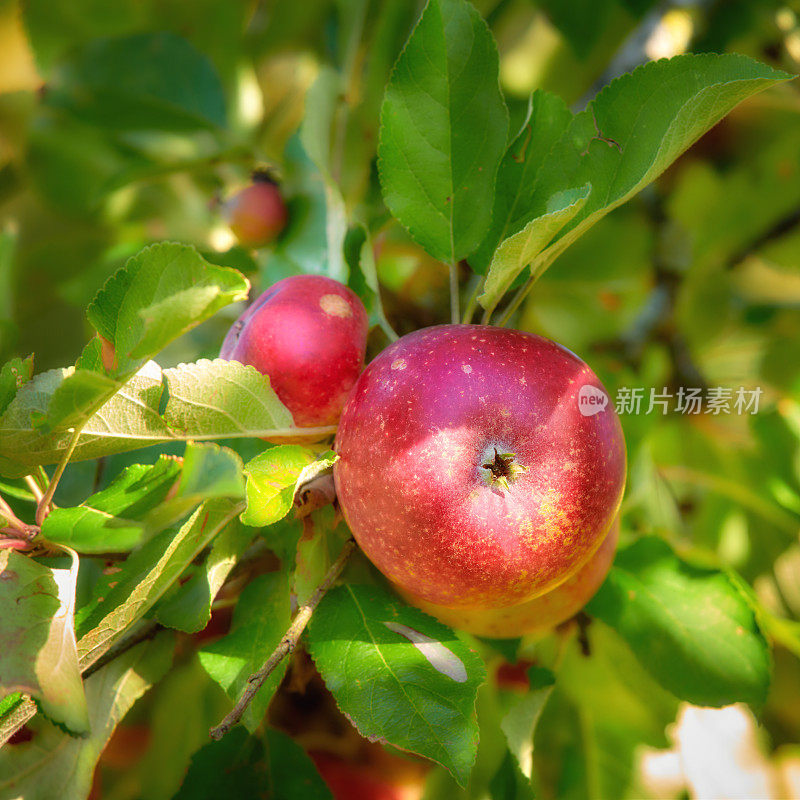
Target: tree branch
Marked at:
286, 645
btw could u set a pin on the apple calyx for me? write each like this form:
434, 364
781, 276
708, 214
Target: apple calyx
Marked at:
502, 470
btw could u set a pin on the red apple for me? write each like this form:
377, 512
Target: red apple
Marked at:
533, 616
257, 213
514, 677
309, 334
386, 780
478, 467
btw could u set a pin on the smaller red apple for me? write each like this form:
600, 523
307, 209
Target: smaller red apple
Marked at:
308, 333
535, 616
514, 677
257, 213
388, 779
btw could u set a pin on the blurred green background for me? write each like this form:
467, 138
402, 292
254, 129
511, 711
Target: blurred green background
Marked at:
130, 122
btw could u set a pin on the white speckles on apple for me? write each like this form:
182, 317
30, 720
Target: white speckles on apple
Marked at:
440, 657
466, 369
335, 306
399, 363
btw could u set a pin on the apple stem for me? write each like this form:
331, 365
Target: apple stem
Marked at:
503, 469
516, 301
286, 646
455, 314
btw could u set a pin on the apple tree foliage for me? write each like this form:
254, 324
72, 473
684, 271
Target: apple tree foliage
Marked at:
404, 150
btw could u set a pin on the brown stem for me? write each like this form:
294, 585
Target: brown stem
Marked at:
286, 645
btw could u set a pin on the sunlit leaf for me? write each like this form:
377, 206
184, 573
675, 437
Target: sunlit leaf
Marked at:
37, 641
398, 674
261, 618
443, 130
118, 603
54, 764
691, 627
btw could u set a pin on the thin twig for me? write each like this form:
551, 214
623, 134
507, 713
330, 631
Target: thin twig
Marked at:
43, 508
286, 646
36, 490
455, 315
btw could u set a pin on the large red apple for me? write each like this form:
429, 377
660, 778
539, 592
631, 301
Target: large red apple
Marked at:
540, 614
479, 467
309, 334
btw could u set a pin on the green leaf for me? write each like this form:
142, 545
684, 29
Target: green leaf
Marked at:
399, 675
546, 120
54, 764
581, 22
443, 131
188, 609
691, 627
218, 399
160, 293
271, 479
149, 81
54, 28
37, 640
209, 471
508, 783
636, 127
144, 577
112, 520
316, 134
315, 552
184, 705
261, 618
321, 466
9, 703
272, 765
519, 722
205, 400
519, 250
14, 374
360, 257
604, 708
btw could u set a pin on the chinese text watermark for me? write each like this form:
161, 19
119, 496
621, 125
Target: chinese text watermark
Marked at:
713, 400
